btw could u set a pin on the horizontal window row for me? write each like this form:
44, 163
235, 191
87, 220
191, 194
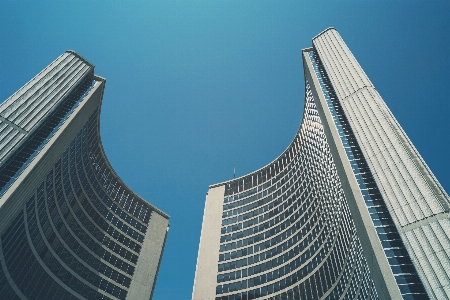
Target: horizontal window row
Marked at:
283, 179
307, 248
116, 191
93, 147
307, 213
307, 235
329, 272
93, 214
301, 228
263, 190
33, 281
137, 214
238, 186
59, 249
94, 200
92, 260
281, 212
74, 216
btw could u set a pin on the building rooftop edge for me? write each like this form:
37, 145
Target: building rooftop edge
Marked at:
329, 28
142, 199
251, 173
80, 57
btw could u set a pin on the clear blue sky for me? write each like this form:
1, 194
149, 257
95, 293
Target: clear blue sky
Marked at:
196, 86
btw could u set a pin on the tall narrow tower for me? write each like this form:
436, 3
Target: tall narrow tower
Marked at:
69, 227
349, 210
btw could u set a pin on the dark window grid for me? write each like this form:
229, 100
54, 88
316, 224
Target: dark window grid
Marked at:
239, 244
139, 215
277, 201
275, 287
6, 291
302, 221
104, 175
137, 209
275, 205
365, 288
361, 167
273, 170
12, 168
127, 205
25, 279
87, 236
302, 251
249, 196
94, 200
72, 240
344, 277
277, 210
101, 237
65, 262
109, 213
353, 277
12, 246
34, 236
255, 179
113, 207
275, 230
82, 252
305, 235
273, 241
335, 262
290, 206
346, 282
13, 231
263, 197
102, 225
94, 214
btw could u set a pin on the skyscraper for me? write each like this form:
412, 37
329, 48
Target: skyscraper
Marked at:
348, 210
69, 227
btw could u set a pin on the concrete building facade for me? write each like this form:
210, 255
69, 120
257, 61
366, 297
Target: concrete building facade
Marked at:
349, 210
69, 227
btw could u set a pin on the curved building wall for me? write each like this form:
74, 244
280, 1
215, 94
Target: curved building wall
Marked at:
76, 231
349, 210
286, 229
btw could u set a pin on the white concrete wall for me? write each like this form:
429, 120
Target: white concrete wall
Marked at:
144, 277
208, 253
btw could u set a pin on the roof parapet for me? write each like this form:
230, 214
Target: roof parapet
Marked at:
329, 28
80, 57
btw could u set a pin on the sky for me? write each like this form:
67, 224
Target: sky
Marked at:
194, 87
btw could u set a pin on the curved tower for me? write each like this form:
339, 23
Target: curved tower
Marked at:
340, 213
69, 227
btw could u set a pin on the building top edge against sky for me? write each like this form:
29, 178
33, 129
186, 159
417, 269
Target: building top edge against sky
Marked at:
17, 104
70, 228
349, 148
434, 181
